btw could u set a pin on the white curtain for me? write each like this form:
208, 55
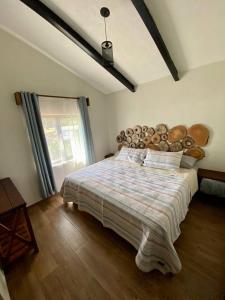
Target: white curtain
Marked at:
63, 130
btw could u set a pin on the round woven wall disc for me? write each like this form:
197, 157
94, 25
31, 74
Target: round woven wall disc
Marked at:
144, 128
150, 131
196, 152
188, 142
135, 141
161, 129
199, 133
142, 135
156, 138
163, 146
135, 136
129, 139
147, 140
141, 145
122, 133
119, 139
177, 133
137, 129
164, 137
129, 131
176, 146
132, 145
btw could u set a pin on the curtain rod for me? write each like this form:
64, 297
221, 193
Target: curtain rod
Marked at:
19, 100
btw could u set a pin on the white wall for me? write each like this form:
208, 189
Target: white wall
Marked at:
23, 68
199, 97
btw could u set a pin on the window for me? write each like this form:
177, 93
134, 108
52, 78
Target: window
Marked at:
64, 135
64, 138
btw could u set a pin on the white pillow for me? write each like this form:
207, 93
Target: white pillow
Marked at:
163, 160
132, 155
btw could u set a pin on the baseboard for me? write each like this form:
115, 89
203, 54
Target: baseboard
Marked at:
40, 200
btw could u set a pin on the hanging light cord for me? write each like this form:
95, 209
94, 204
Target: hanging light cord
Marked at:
105, 30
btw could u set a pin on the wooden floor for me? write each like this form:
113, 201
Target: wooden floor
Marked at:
79, 259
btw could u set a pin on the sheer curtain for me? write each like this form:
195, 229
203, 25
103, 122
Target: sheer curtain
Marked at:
63, 129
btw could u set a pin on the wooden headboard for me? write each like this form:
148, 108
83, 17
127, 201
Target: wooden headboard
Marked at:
161, 138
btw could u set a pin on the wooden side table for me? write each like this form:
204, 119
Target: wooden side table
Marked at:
16, 233
210, 174
109, 155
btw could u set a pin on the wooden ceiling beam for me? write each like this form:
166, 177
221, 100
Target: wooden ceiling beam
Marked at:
46, 13
155, 34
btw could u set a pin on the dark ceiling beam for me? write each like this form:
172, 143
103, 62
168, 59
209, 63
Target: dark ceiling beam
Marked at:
155, 34
46, 13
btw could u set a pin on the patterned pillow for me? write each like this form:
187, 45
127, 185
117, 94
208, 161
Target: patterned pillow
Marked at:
188, 162
163, 160
132, 155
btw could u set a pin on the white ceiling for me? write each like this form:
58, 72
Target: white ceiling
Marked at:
193, 31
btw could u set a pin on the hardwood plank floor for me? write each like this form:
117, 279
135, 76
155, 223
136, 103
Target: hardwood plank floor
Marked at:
80, 259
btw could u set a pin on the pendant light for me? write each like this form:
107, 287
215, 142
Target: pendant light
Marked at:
107, 46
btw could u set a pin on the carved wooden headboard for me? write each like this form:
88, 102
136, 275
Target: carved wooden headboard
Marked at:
178, 138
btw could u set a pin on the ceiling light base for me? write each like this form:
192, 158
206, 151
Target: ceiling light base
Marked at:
105, 12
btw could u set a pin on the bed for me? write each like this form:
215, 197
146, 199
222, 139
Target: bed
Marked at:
143, 205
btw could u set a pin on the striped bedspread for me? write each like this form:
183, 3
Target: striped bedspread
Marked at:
143, 205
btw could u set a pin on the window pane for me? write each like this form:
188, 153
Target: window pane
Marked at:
67, 136
52, 138
63, 129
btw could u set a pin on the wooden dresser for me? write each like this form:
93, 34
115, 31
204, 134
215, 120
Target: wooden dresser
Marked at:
16, 233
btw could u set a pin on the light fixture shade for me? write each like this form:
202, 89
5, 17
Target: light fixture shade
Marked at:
107, 52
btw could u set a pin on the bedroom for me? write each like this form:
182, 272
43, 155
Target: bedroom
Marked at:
78, 257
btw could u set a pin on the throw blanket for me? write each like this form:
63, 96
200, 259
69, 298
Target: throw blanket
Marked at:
143, 205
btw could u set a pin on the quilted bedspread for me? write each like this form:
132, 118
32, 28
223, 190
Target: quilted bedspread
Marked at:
143, 205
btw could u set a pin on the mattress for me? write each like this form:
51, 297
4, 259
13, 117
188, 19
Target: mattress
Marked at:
143, 205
